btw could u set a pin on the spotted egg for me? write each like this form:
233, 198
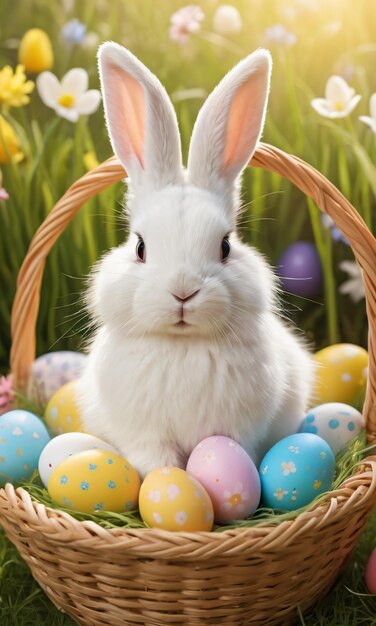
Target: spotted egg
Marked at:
341, 374
62, 446
22, 438
229, 476
335, 422
295, 470
95, 480
172, 499
51, 371
62, 414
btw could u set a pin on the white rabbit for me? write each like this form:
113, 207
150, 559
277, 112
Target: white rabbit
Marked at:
188, 342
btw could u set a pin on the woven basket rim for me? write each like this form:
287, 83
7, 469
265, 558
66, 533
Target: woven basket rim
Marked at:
353, 492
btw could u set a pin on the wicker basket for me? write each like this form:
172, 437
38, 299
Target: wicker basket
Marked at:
238, 577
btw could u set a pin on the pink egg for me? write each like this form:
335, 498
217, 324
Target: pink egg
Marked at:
370, 573
229, 476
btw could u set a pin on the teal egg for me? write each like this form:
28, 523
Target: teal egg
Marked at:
295, 470
22, 439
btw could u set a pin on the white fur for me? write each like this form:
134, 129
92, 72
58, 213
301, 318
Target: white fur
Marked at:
153, 389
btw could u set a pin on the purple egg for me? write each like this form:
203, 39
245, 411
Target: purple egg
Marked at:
300, 271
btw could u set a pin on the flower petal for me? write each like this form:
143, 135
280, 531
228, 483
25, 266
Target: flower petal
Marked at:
369, 121
48, 88
321, 106
75, 81
337, 90
88, 102
372, 105
68, 114
352, 104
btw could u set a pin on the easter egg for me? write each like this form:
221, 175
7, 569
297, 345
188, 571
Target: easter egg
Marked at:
51, 371
62, 446
335, 422
370, 573
229, 476
22, 438
173, 500
295, 470
62, 412
95, 480
341, 375
299, 269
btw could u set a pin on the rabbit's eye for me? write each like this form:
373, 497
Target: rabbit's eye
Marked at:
140, 249
225, 248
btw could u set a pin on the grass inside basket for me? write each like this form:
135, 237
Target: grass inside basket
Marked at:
345, 465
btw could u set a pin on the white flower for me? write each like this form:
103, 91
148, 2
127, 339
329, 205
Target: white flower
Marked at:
154, 495
340, 99
172, 492
235, 499
70, 97
279, 35
227, 20
184, 22
90, 41
370, 120
288, 468
354, 285
294, 449
280, 493
210, 456
181, 517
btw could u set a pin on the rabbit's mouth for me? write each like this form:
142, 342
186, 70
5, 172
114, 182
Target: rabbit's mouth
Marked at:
182, 323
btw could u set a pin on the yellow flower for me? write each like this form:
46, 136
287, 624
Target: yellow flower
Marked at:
35, 51
9, 144
14, 88
90, 160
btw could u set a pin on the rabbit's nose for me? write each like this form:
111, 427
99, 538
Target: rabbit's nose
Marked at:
185, 298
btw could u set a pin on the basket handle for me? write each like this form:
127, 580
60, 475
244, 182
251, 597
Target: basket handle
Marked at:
303, 176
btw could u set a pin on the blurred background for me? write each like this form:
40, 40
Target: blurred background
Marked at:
189, 47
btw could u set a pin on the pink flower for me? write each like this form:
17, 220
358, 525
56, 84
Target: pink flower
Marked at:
7, 394
4, 195
184, 22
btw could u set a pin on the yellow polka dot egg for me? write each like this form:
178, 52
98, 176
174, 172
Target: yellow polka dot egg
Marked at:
62, 412
95, 480
173, 500
341, 374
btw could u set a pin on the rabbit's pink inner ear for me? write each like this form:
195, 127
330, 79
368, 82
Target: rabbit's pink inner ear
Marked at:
126, 104
245, 122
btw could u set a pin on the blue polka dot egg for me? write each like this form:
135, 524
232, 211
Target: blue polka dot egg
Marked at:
22, 439
335, 422
95, 480
295, 471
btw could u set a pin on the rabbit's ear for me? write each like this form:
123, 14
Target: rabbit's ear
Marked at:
230, 123
140, 117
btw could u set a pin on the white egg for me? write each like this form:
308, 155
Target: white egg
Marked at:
335, 422
62, 446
